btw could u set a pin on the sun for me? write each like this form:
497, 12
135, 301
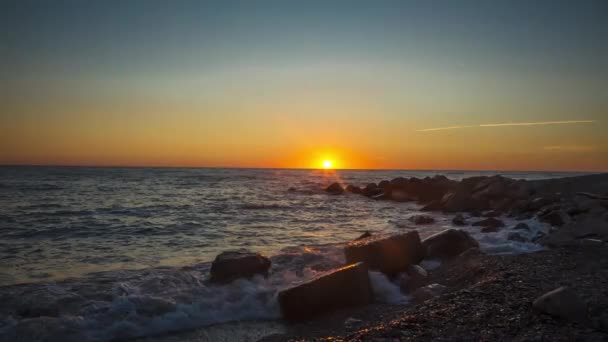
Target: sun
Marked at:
327, 164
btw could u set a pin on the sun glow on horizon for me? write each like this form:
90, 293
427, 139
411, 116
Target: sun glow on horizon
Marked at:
327, 164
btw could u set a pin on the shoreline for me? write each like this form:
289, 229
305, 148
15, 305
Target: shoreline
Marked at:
490, 298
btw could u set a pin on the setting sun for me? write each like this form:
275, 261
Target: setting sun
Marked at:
327, 164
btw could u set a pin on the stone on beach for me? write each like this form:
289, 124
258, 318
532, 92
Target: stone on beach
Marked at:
346, 287
232, 265
448, 243
389, 254
427, 292
562, 302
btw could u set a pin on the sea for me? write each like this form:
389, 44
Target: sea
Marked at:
104, 253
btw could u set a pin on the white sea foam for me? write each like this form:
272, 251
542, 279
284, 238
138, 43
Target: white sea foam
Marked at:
386, 291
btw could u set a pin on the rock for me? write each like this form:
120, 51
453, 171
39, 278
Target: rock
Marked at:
385, 185
587, 225
352, 322
416, 271
389, 254
346, 287
475, 213
421, 219
540, 202
231, 265
471, 252
401, 196
562, 302
334, 189
448, 243
522, 226
364, 236
489, 229
427, 292
516, 237
414, 277
554, 218
371, 190
353, 189
491, 223
459, 220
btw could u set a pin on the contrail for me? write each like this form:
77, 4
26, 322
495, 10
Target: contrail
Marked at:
510, 124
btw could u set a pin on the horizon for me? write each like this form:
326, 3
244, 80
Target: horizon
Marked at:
465, 85
292, 168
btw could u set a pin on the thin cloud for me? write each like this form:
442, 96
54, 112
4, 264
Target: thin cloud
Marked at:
570, 148
542, 123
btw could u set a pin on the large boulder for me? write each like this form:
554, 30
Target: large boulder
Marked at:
345, 287
448, 243
389, 254
232, 265
562, 302
334, 189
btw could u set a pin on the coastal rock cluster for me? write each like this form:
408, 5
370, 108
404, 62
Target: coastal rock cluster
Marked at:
575, 216
575, 208
394, 255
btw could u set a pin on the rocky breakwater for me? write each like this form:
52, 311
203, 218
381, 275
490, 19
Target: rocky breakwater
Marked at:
575, 209
395, 255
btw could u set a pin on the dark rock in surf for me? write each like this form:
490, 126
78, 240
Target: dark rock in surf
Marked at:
334, 189
371, 190
389, 254
353, 189
345, 287
364, 236
448, 243
421, 219
515, 236
491, 224
232, 265
459, 220
554, 218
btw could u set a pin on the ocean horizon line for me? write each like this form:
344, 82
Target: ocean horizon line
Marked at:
286, 168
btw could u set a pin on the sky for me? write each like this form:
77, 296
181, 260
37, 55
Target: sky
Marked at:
475, 85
